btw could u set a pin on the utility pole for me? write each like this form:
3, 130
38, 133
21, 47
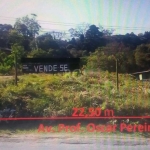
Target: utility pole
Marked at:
117, 75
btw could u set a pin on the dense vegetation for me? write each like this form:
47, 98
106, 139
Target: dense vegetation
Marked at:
98, 45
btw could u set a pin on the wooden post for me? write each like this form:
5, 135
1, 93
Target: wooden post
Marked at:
117, 74
15, 69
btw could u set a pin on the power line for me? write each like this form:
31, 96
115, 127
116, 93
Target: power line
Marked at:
75, 23
81, 24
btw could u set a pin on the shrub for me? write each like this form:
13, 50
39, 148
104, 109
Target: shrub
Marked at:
4, 69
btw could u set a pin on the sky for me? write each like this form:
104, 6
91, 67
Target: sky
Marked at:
125, 16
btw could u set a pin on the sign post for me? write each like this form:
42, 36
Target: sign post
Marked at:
117, 74
15, 69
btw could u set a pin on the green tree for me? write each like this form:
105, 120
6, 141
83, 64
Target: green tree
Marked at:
37, 53
104, 59
18, 52
46, 42
142, 56
28, 27
7, 61
4, 68
93, 38
15, 37
4, 35
2, 57
79, 31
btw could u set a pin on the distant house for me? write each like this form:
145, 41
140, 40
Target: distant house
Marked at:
6, 50
144, 75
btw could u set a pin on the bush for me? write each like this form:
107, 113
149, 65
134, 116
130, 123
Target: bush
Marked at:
5, 69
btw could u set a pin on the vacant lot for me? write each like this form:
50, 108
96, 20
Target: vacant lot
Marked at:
56, 95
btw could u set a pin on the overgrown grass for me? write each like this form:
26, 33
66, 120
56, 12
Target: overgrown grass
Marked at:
56, 95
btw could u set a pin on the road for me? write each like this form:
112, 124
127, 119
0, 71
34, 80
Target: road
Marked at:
72, 142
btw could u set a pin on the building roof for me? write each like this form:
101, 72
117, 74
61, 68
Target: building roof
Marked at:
141, 72
5, 49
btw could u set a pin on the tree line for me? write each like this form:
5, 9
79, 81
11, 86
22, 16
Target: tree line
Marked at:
98, 47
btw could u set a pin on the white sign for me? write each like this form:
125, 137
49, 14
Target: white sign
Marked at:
51, 68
